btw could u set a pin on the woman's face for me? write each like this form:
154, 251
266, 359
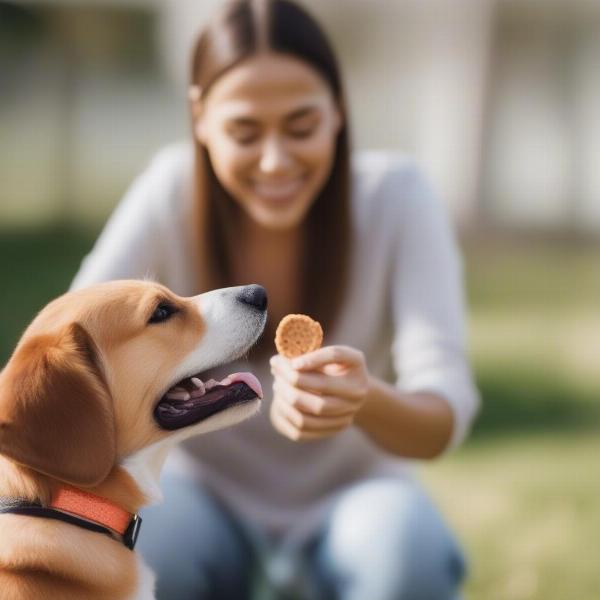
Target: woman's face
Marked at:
270, 126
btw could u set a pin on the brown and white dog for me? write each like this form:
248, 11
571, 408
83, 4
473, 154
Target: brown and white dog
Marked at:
103, 382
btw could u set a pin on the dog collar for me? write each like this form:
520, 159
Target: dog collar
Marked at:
83, 509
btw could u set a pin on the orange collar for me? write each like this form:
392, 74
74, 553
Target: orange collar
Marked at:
93, 508
83, 509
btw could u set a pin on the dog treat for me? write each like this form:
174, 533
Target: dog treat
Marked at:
297, 334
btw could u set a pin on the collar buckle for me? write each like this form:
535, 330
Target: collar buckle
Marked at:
132, 532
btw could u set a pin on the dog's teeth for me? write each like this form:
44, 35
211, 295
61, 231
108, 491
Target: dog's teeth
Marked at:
180, 394
210, 384
200, 389
198, 383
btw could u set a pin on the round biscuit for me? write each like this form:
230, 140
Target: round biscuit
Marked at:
298, 334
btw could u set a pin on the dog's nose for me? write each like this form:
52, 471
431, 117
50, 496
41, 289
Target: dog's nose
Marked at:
255, 295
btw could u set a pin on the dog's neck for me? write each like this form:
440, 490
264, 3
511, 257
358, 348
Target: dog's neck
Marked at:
119, 487
145, 466
20, 482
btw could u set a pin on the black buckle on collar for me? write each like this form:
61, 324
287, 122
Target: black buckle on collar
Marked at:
133, 530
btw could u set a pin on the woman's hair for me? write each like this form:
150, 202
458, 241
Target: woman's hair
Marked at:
242, 29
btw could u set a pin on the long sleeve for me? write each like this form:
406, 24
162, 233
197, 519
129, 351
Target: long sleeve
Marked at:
429, 348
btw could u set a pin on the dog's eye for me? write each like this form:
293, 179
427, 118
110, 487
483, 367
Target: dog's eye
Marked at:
162, 312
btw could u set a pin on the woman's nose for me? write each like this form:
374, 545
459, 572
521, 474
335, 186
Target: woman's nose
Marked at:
274, 157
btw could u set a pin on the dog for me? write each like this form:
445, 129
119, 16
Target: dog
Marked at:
102, 383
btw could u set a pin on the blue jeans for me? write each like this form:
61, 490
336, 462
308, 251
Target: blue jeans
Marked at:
382, 540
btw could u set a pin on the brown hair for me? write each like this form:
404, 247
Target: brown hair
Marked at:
241, 29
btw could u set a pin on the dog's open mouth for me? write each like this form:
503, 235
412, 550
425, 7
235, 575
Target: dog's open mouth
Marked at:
193, 400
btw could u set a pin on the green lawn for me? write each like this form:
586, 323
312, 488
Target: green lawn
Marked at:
522, 493
527, 510
36, 266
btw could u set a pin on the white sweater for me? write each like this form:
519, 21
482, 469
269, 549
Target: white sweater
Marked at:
404, 310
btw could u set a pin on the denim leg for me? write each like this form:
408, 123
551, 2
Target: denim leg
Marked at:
194, 547
384, 540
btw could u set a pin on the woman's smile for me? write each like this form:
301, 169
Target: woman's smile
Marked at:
284, 190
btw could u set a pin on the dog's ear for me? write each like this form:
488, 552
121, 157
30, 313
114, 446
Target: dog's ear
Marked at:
56, 414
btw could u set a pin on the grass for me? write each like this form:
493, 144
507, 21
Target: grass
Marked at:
526, 509
522, 493
36, 266
535, 335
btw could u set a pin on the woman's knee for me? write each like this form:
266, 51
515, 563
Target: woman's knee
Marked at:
385, 540
194, 546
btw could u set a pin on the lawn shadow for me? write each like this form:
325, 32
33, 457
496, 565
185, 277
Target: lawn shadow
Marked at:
517, 399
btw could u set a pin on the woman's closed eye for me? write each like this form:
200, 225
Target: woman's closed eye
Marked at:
301, 133
244, 133
304, 126
246, 138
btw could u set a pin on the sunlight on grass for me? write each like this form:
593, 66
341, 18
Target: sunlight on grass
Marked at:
568, 342
526, 509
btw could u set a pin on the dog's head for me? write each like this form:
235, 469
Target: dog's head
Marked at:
104, 372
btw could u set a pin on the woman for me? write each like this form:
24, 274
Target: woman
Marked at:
317, 489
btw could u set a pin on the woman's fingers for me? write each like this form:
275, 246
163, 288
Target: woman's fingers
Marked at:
324, 356
310, 423
331, 385
318, 394
298, 426
307, 402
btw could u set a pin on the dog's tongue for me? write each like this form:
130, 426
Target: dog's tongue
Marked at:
248, 378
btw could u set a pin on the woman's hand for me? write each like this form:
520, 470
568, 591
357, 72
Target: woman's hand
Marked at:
318, 394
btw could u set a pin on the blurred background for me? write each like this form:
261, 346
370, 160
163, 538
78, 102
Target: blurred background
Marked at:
498, 100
